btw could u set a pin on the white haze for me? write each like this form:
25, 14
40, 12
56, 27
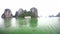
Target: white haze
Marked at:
45, 7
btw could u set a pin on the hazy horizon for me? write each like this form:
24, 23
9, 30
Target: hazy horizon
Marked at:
45, 7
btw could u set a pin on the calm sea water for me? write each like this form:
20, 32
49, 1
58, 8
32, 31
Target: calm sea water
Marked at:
30, 25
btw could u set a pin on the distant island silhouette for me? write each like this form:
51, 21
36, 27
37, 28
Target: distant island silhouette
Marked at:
58, 15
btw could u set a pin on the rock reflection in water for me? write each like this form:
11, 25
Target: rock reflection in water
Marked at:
10, 22
33, 22
7, 22
22, 22
27, 22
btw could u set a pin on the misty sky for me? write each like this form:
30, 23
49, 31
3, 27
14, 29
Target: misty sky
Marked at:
45, 7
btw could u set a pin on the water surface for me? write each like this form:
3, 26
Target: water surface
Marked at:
30, 25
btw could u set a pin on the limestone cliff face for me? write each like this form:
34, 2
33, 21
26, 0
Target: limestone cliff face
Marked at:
58, 15
22, 13
19, 13
7, 14
34, 12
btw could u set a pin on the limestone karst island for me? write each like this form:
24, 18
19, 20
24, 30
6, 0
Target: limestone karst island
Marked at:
20, 13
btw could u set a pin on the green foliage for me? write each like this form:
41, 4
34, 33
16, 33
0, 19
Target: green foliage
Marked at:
29, 13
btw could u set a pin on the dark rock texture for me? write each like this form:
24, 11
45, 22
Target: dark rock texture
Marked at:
34, 12
7, 14
19, 13
58, 15
22, 13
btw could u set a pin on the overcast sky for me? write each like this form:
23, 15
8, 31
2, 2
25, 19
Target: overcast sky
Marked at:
45, 7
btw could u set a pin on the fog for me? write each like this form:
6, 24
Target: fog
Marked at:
45, 7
